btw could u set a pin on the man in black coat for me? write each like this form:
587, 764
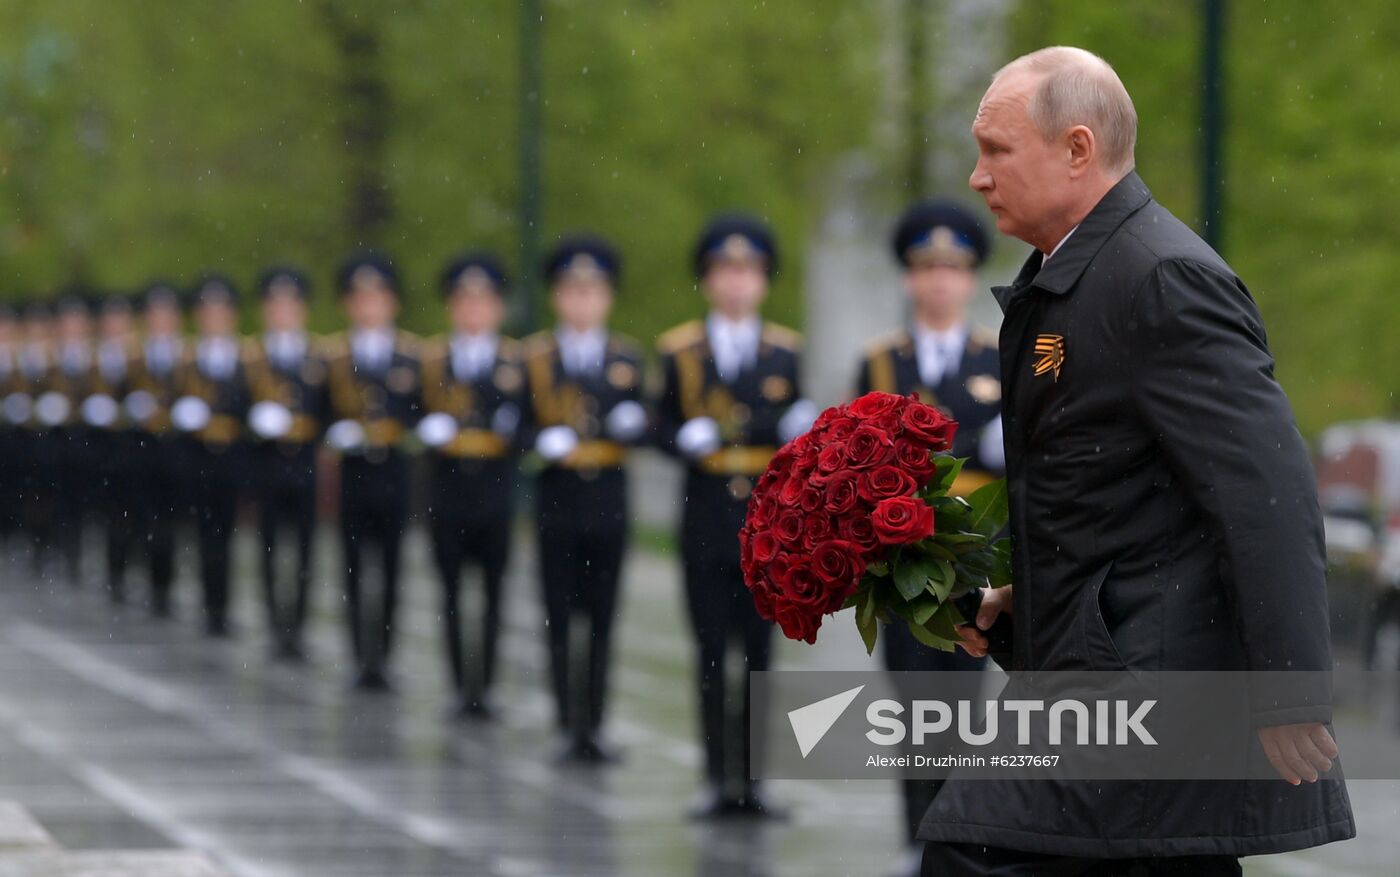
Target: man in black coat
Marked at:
1164, 513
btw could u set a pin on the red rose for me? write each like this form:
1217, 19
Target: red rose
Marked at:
816, 529
788, 526
902, 519
761, 511
791, 490
764, 546
875, 404
841, 428
831, 458
915, 458
884, 482
860, 531
868, 447
931, 426
800, 584
838, 564
798, 623
841, 494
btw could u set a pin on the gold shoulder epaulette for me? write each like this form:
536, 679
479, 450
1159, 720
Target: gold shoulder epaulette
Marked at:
678, 337
620, 343
886, 342
334, 344
782, 336
538, 343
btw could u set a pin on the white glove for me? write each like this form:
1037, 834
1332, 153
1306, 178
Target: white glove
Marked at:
556, 442
100, 410
346, 436
269, 419
698, 436
18, 407
797, 419
140, 406
52, 408
626, 421
189, 414
437, 429
991, 451
506, 420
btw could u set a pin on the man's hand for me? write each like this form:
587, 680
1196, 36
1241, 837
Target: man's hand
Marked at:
1298, 752
994, 602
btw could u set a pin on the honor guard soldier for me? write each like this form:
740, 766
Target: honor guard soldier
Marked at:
67, 384
585, 389
375, 385
112, 439
952, 365
473, 386
152, 377
287, 383
11, 385
731, 396
41, 457
210, 409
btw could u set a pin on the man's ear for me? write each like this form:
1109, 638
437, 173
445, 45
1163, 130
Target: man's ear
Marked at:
1083, 148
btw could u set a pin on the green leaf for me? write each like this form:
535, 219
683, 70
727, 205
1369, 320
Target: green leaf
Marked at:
941, 582
922, 608
942, 624
912, 575
865, 619
922, 634
878, 568
933, 549
990, 508
948, 473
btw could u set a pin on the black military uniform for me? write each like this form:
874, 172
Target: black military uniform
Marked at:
473, 392
11, 385
41, 457
584, 409
113, 444
58, 400
965, 384
287, 383
210, 408
156, 463
375, 386
726, 407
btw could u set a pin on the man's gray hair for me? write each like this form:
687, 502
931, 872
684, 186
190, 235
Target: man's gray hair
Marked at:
1080, 88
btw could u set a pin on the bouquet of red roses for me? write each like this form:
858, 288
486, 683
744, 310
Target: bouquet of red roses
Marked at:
857, 513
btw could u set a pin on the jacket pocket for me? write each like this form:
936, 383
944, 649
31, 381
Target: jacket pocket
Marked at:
1099, 649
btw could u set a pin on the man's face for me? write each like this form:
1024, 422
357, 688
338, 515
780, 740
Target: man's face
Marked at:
115, 324
38, 330
283, 310
736, 287
162, 319
370, 304
940, 291
474, 309
74, 327
216, 318
7, 330
1024, 179
582, 301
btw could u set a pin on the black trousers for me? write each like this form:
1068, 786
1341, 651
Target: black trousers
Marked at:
158, 464
216, 471
721, 613
117, 489
582, 522
40, 485
76, 495
373, 514
904, 652
287, 525
975, 860
470, 520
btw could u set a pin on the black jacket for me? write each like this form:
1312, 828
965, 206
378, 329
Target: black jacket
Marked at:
1164, 515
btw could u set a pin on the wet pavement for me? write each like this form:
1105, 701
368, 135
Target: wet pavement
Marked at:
119, 732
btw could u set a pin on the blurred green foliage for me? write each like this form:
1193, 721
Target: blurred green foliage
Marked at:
1312, 169
167, 137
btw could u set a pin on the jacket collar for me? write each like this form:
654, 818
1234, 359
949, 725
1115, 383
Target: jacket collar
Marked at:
1126, 197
